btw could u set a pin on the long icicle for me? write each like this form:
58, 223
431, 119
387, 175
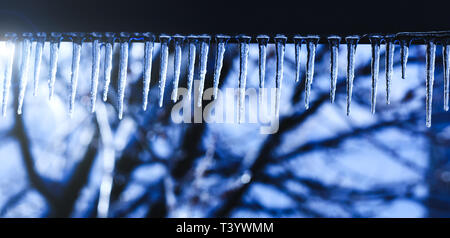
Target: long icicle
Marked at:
55, 41
430, 58
404, 51
389, 66
204, 50
109, 44
148, 58
446, 64
243, 61
178, 41
311, 44
26, 55
192, 48
280, 43
40, 41
77, 42
298, 50
123, 68
262, 45
164, 39
375, 68
352, 42
10, 46
334, 55
221, 41
95, 68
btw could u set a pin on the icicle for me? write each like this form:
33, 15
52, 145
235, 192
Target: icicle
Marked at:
430, 57
280, 43
389, 66
26, 55
204, 50
77, 41
262, 45
446, 62
298, 48
375, 67
148, 58
404, 49
109, 44
178, 40
311, 43
164, 39
95, 68
54, 53
334, 49
220, 51
10, 47
123, 68
40, 41
192, 48
352, 41
243, 60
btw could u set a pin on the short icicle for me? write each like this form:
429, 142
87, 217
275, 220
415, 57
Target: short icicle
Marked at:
262, 45
298, 50
26, 55
430, 58
221, 41
243, 61
404, 51
123, 68
178, 42
389, 66
192, 48
55, 41
95, 68
109, 44
148, 58
77, 42
10, 47
446, 69
352, 42
280, 43
311, 44
334, 55
40, 41
375, 41
164, 40
204, 50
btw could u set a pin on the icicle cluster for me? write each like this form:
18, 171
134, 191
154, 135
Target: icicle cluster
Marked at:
36, 42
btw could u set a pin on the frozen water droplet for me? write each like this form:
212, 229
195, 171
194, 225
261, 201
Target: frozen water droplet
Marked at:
95, 68
40, 41
148, 58
262, 45
430, 58
192, 48
54, 53
77, 42
26, 55
10, 47
404, 51
446, 62
221, 41
243, 61
109, 44
352, 42
375, 67
280, 43
389, 66
334, 55
164, 39
204, 50
311, 44
298, 48
123, 68
178, 40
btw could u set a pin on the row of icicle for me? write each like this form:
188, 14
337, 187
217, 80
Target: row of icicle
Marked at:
311, 41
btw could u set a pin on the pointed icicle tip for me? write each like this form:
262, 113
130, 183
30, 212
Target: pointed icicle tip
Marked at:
375, 41
55, 40
204, 52
243, 62
311, 44
164, 58
298, 40
430, 60
192, 40
109, 39
334, 42
178, 43
404, 52
262, 40
446, 69
390, 47
149, 39
40, 41
221, 41
352, 42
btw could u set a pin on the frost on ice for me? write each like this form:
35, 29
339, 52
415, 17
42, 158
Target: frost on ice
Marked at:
164, 39
178, 40
148, 58
311, 44
352, 42
108, 63
95, 68
40, 41
77, 42
262, 45
55, 41
389, 65
26, 55
10, 47
334, 55
192, 48
221, 41
243, 58
430, 58
204, 50
123, 68
375, 41
280, 43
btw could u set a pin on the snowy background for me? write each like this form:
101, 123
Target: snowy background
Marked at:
321, 163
